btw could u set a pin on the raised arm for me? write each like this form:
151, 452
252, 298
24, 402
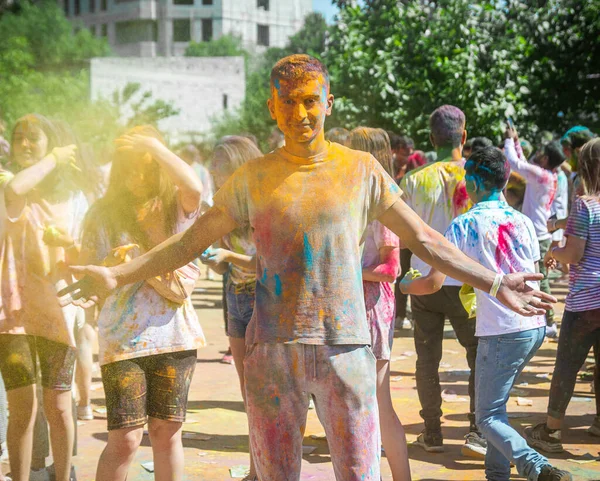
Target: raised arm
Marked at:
433, 248
26, 180
166, 257
517, 163
182, 175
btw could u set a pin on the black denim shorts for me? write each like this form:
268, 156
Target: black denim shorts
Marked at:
155, 386
19, 366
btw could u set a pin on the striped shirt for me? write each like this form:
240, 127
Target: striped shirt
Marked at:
584, 277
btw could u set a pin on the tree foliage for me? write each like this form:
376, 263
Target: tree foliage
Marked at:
224, 46
393, 63
44, 69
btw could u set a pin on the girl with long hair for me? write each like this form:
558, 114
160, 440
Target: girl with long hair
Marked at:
42, 193
149, 331
580, 328
236, 258
380, 269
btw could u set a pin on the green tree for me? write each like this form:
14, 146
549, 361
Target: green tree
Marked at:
393, 63
224, 46
44, 69
51, 37
563, 61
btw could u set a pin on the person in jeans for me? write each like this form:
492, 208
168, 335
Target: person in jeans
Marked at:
580, 329
504, 240
236, 258
437, 194
542, 184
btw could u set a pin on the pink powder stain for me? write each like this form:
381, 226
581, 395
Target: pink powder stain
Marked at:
504, 250
460, 198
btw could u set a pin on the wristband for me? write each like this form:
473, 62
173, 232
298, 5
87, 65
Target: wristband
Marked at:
496, 285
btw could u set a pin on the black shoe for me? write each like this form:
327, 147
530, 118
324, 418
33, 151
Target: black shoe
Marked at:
432, 442
539, 437
550, 473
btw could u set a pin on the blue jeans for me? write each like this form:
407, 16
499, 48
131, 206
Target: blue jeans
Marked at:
500, 360
240, 306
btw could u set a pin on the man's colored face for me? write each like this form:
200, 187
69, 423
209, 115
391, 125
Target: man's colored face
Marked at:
300, 106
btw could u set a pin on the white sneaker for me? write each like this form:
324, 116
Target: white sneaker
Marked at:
85, 413
406, 324
39, 475
552, 331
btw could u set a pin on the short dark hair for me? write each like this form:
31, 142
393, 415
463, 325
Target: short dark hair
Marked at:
489, 165
555, 154
580, 138
297, 66
480, 143
447, 124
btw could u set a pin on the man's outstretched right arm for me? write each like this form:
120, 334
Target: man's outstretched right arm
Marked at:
171, 254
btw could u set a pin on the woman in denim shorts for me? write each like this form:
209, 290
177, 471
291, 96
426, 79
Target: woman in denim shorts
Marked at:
147, 337
236, 258
42, 201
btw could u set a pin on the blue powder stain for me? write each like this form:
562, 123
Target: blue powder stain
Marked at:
276, 400
308, 253
264, 277
277, 285
277, 84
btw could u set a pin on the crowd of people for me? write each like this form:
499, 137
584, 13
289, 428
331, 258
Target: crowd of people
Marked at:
323, 243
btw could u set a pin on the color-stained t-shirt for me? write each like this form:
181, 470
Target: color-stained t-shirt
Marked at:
503, 240
584, 277
135, 320
308, 217
379, 296
31, 272
437, 193
539, 192
240, 241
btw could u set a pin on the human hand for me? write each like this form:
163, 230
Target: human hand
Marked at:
549, 260
214, 257
407, 280
57, 237
65, 155
518, 296
96, 284
137, 143
510, 132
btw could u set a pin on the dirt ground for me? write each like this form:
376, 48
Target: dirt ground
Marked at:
216, 413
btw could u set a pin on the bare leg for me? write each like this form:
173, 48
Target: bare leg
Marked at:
238, 350
392, 432
167, 449
85, 363
119, 452
58, 408
23, 407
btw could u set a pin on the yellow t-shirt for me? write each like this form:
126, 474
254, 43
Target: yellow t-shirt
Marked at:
308, 217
